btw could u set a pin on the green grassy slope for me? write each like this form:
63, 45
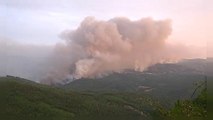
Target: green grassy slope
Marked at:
24, 100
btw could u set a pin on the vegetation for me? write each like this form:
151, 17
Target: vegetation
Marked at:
167, 88
24, 100
195, 109
190, 110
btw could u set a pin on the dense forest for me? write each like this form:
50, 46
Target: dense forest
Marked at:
21, 99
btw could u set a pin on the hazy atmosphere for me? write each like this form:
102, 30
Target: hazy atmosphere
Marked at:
99, 37
106, 59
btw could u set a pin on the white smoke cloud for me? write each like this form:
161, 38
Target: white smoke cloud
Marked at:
99, 47
94, 49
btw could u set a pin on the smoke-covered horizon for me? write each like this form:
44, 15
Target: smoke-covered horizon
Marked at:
94, 49
98, 48
23, 60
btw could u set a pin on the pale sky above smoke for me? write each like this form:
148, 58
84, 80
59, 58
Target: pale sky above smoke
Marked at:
40, 21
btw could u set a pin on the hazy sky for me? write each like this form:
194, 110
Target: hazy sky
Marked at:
41, 21
27, 22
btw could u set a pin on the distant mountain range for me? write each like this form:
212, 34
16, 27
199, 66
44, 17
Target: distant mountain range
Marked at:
171, 80
130, 95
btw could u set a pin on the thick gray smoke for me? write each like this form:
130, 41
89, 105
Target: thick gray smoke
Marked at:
97, 47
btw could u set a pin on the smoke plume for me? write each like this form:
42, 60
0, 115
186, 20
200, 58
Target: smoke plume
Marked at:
98, 47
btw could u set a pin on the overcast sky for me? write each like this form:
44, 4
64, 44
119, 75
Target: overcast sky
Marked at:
41, 21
